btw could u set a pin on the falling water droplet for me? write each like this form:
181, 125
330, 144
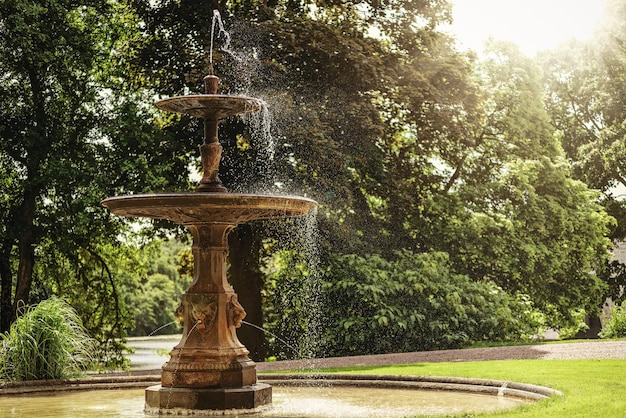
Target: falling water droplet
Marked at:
260, 124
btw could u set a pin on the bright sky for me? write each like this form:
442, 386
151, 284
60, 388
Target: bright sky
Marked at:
534, 25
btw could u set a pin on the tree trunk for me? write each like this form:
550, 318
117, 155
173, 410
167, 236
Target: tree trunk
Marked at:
26, 232
6, 288
247, 281
26, 248
595, 326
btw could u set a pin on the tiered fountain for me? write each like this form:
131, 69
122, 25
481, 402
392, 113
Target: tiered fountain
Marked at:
209, 369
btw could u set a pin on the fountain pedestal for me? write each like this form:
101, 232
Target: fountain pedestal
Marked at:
209, 354
186, 400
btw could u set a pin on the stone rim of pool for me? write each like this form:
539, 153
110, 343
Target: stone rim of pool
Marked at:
490, 388
449, 383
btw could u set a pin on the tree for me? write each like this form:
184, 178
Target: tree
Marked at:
525, 223
155, 297
73, 132
323, 75
585, 100
474, 157
49, 59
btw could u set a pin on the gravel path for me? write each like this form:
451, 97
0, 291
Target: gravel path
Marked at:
564, 351
147, 357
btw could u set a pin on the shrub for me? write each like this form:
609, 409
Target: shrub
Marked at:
47, 342
291, 307
415, 303
370, 305
577, 325
616, 326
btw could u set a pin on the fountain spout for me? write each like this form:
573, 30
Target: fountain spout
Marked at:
211, 82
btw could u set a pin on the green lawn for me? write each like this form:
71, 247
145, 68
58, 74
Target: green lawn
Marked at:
591, 388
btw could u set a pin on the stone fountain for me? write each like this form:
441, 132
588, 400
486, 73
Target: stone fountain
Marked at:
209, 369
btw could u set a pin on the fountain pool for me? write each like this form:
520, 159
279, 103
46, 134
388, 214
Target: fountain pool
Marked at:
336, 396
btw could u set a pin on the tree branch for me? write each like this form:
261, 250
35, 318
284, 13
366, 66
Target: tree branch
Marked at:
111, 280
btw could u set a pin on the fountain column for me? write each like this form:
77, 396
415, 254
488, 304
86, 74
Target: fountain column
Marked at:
211, 150
209, 368
209, 354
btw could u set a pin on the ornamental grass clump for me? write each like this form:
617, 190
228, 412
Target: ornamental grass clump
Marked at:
47, 342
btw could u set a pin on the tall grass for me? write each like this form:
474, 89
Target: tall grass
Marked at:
47, 342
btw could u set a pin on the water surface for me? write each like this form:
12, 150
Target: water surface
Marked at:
288, 402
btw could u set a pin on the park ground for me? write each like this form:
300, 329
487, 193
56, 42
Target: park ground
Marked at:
151, 352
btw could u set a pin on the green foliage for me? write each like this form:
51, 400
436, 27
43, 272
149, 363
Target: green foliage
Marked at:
371, 305
157, 292
616, 325
414, 303
585, 90
95, 280
184, 263
510, 211
48, 341
291, 307
155, 306
404, 141
544, 237
74, 131
577, 325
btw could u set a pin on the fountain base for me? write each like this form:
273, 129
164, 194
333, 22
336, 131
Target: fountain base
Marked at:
201, 401
196, 368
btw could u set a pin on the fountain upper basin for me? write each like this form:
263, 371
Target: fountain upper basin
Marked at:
197, 208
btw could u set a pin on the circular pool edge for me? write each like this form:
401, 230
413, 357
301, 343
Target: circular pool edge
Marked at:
505, 388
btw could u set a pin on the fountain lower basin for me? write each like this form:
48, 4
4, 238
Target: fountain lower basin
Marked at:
300, 396
223, 208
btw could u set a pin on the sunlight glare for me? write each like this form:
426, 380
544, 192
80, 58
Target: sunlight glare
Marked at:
534, 25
